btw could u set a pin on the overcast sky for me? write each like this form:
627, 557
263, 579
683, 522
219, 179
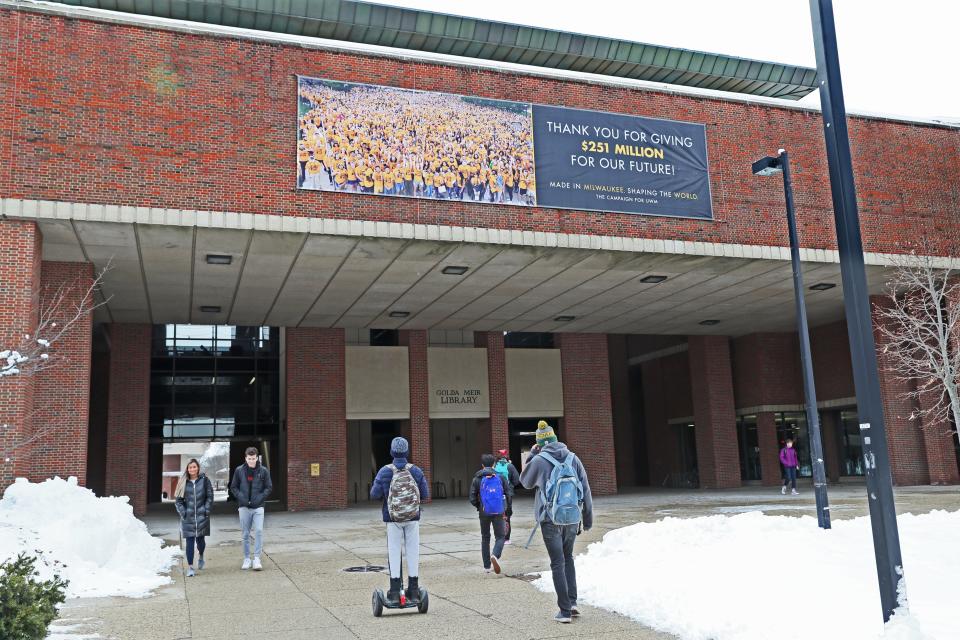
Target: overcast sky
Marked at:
898, 58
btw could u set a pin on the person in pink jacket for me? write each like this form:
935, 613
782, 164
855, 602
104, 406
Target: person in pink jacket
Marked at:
788, 458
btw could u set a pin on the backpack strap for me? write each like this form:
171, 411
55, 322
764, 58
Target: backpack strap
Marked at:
555, 462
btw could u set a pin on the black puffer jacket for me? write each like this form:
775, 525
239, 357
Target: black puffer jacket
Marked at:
247, 493
194, 507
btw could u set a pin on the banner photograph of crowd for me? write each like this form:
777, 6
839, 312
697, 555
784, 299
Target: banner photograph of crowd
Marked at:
397, 142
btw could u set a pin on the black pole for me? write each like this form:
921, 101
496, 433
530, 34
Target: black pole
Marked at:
806, 360
856, 298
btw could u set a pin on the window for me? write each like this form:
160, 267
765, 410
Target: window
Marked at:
527, 340
851, 444
211, 382
749, 443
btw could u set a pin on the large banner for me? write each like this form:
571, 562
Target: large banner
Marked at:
418, 144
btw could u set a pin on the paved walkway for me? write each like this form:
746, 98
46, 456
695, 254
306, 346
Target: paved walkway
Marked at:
303, 591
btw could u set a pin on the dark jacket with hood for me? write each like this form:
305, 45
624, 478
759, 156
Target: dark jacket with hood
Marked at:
194, 507
537, 473
380, 489
251, 487
475, 488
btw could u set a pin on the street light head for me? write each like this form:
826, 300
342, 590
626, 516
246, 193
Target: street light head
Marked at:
767, 166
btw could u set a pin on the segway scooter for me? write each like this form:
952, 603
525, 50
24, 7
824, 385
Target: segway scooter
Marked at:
380, 602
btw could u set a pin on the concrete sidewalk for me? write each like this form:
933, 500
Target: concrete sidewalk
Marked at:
303, 591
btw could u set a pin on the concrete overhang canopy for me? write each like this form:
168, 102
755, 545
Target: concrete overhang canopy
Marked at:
430, 32
278, 278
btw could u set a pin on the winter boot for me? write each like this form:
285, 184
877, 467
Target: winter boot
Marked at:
413, 589
393, 595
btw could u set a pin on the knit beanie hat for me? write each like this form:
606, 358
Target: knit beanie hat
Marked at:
399, 447
544, 433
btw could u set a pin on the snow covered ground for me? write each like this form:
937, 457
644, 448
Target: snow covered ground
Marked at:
104, 549
755, 576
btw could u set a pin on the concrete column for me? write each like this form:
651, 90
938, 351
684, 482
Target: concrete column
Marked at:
713, 410
20, 256
908, 461
316, 418
495, 433
128, 415
418, 430
587, 413
61, 420
770, 473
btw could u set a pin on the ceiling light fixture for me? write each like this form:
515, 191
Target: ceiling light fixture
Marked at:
455, 270
399, 314
653, 279
709, 323
564, 318
822, 286
219, 258
210, 308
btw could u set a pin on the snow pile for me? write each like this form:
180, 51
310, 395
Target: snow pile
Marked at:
753, 576
104, 549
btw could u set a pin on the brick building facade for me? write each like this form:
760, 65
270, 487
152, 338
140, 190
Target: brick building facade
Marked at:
181, 141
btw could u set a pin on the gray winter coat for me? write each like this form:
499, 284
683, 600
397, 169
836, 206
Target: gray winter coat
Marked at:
195, 506
537, 473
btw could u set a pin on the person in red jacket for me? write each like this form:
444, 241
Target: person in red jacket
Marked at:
788, 458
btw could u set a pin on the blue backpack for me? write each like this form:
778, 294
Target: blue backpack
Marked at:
491, 495
563, 495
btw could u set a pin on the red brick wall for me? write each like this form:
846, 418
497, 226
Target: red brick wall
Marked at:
417, 429
716, 423
766, 369
20, 254
832, 367
495, 431
587, 411
166, 119
129, 413
316, 418
908, 463
62, 392
938, 445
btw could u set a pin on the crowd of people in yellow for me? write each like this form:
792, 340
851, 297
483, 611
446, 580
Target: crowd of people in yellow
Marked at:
386, 141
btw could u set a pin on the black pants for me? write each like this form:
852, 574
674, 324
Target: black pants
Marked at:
499, 525
559, 541
508, 514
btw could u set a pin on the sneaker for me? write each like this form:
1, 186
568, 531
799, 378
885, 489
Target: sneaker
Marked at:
190, 572
200, 564
256, 565
495, 561
507, 542
562, 617
488, 569
794, 493
246, 563
574, 612
783, 490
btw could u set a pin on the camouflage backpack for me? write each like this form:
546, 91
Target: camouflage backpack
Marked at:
403, 499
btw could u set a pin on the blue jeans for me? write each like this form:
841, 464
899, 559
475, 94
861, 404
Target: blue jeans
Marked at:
252, 519
790, 477
201, 542
559, 541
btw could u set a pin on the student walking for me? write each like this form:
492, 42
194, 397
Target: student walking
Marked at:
563, 504
251, 486
505, 468
788, 458
194, 501
488, 493
403, 488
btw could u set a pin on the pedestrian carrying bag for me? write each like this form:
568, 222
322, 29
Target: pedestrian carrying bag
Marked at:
563, 495
503, 468
491, 495
403, 498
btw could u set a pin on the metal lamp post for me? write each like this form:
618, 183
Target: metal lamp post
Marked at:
856, 299
766, 167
